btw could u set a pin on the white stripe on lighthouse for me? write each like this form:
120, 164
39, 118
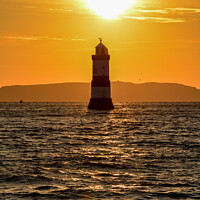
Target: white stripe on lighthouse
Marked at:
101, 68
100, 92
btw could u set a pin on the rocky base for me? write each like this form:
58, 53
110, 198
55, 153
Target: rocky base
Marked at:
101, 104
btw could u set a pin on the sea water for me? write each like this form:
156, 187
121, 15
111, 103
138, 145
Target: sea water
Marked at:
65, 151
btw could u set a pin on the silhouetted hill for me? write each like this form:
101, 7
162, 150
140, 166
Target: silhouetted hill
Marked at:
80, 92
154, 92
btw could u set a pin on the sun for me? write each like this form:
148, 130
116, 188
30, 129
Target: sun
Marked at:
109, 9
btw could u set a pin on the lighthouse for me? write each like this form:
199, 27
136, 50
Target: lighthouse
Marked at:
100, 91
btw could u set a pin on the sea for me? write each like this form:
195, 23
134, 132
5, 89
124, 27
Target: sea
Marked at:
65, 151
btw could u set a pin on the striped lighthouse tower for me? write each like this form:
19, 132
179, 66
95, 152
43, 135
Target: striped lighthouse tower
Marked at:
101, 98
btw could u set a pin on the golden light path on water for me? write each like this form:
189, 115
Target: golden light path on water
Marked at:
110, 9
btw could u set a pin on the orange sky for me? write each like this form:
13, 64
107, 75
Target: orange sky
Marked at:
51, 41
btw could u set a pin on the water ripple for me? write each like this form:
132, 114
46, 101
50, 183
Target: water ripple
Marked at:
64, 151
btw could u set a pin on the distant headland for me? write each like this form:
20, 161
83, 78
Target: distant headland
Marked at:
80, 92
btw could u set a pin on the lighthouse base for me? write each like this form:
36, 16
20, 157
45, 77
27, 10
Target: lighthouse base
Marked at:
101, 104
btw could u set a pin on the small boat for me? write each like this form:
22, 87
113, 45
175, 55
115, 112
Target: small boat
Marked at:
21, 101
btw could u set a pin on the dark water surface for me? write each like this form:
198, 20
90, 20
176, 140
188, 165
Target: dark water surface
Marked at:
63, 151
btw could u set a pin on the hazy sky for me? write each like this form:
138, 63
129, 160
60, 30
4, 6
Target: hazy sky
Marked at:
51, 41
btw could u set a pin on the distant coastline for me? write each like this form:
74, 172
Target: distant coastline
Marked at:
121, 92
